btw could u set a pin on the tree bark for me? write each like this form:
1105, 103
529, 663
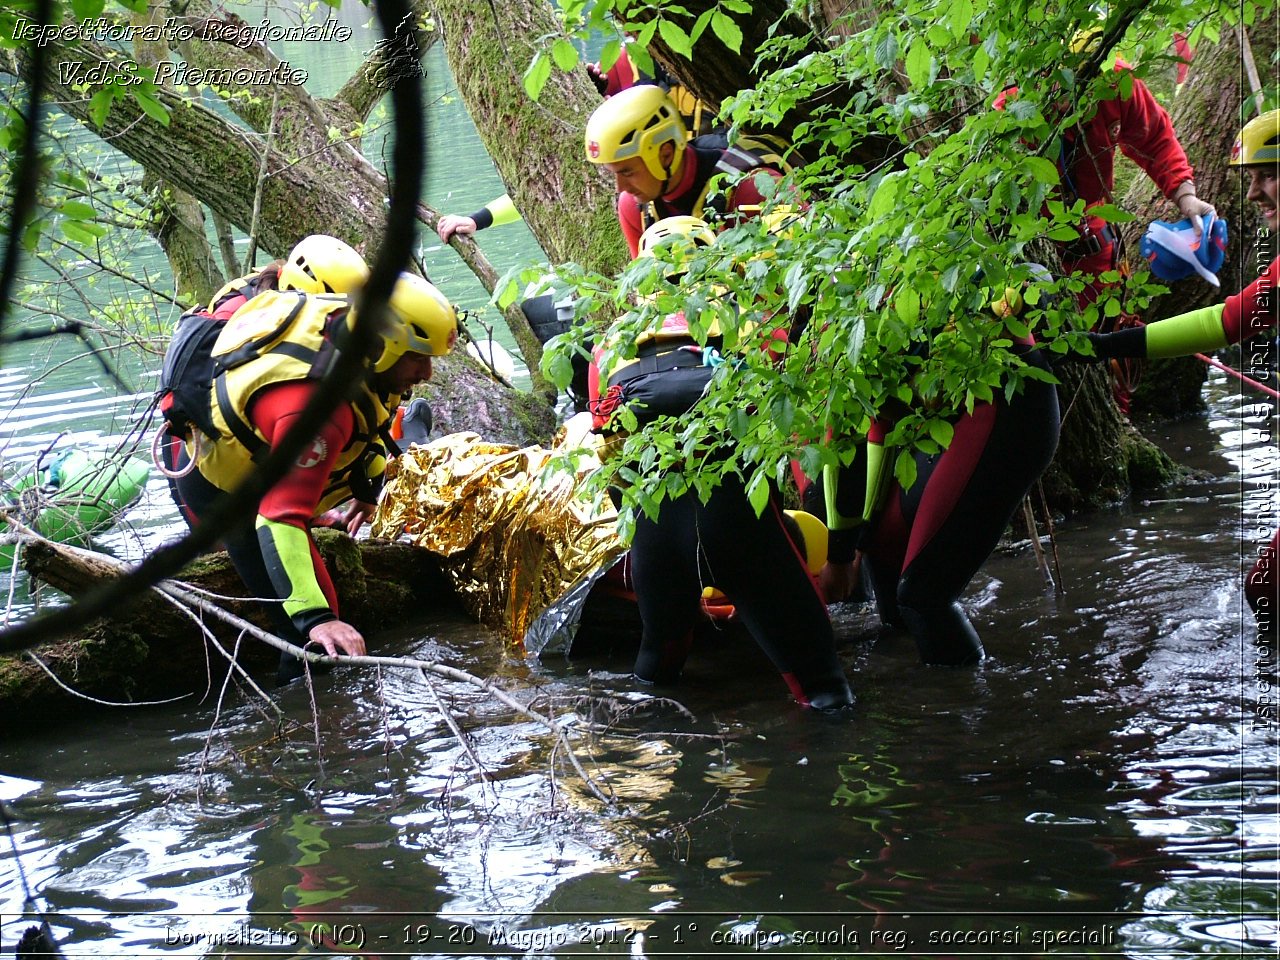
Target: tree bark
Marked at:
177, 219
1101, 458
537, 147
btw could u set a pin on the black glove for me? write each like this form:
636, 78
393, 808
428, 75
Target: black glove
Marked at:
598, 77
1119, 344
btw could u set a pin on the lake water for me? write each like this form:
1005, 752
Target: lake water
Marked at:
1105, 784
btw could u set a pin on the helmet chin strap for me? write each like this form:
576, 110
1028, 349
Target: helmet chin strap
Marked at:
671, 169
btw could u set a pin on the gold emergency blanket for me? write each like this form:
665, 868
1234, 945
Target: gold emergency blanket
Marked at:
512, 541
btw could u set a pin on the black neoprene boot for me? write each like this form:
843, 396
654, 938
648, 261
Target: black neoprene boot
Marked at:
943, 635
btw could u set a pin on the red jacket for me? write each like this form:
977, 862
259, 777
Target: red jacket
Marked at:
1142, 130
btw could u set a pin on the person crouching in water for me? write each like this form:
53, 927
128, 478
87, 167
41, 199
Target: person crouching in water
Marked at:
752, 559
276, 346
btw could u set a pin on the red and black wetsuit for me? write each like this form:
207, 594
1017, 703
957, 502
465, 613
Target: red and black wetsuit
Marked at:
753, 561
925, 545
292, 502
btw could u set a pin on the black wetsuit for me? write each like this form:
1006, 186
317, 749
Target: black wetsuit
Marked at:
755, 563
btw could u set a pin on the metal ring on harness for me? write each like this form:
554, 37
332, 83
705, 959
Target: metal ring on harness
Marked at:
158, 460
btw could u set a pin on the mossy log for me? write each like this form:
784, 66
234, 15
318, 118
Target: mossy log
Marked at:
149, 650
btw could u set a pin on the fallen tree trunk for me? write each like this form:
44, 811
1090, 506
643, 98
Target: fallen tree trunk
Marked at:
151, 651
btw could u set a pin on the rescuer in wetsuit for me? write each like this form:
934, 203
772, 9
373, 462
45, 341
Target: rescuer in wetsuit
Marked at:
1134, 123
254, 404
640, 138
758, 562
1252, 311
922, 546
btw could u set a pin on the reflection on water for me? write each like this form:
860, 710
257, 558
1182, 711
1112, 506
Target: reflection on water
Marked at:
1097, 787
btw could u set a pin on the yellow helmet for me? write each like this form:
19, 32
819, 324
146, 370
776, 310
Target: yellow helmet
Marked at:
421, 320
680, 237
323, 264
810, 535
683, 231
1085, 40
1258, 143
636, 123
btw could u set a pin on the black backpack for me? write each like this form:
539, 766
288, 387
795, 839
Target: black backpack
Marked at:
186, 377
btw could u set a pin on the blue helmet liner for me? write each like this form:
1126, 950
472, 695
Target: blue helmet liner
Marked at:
1175, 251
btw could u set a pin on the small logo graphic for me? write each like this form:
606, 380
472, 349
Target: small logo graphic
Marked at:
315, 455
593, 148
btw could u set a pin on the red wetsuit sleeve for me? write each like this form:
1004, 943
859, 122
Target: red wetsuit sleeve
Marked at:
1255, 309
621, 76
294, 498
631, 222
1147, 138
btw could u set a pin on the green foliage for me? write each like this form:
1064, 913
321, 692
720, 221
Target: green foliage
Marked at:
895, 267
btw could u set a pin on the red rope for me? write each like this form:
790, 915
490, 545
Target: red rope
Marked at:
1239, 376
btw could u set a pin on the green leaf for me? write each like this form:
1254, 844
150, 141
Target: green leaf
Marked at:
152, 107
1064, 232
673, 36
75, 231
32, 234
1043, 170
507, 296
981, 63
84, 9
906, 304
758, 492
950, 277
961, 14
941, 431
609, 54
700, 24
100, 105
885, 198
730, 33
565, 54
77, 210
886, 53
645, 36
537, 75
918, 63
557, 366
1111, 213
904, 469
